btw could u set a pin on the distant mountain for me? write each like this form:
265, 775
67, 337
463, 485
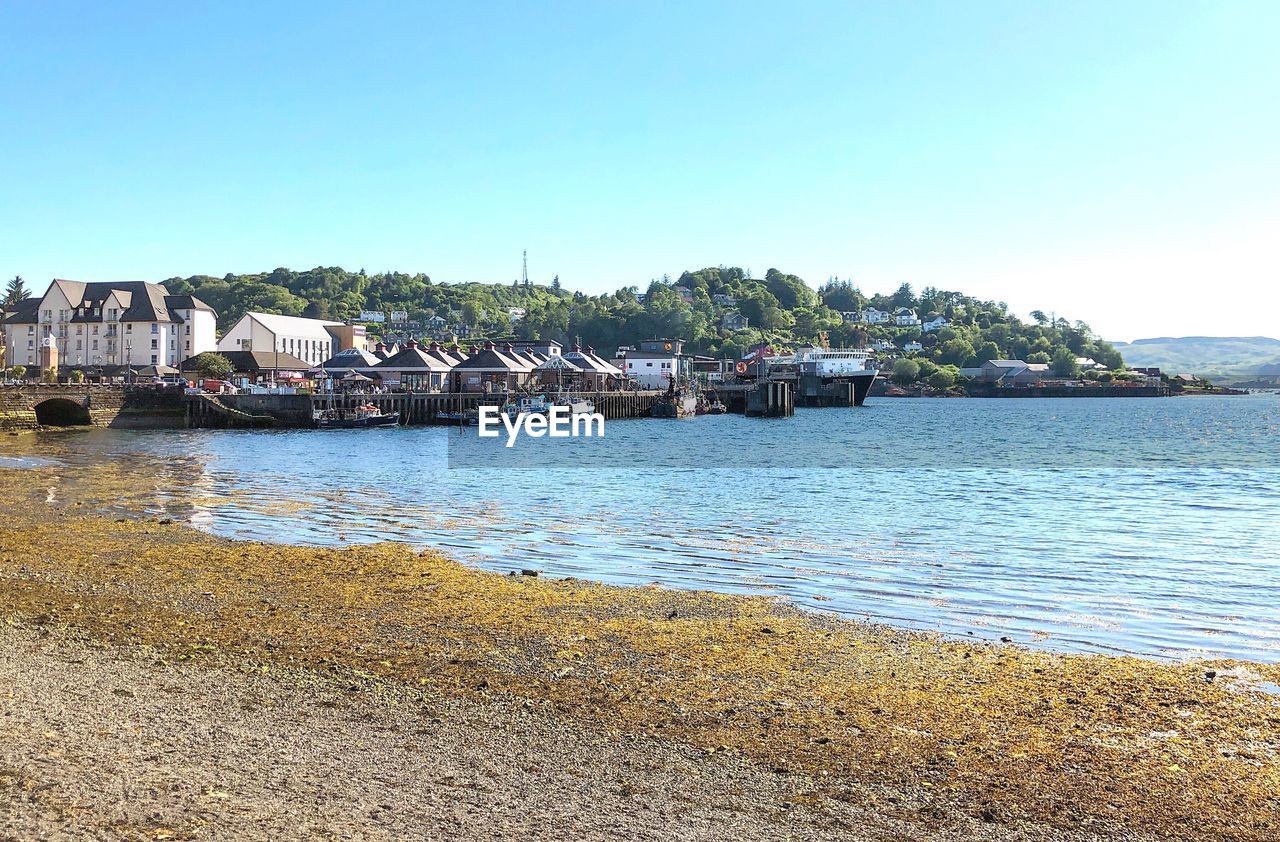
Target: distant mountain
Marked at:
1216, 357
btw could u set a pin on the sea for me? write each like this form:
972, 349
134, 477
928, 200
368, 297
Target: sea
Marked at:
1137, 526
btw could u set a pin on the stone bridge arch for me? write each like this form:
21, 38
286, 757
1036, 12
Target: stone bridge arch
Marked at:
62, 412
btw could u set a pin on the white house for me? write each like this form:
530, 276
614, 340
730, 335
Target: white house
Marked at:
653, 364
912, 346
515, 314
936, 323
310, 340
905, 317
108, 324
872, 316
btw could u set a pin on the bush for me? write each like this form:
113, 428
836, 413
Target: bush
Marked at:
905, 371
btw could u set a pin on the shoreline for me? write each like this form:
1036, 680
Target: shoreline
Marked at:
991, 736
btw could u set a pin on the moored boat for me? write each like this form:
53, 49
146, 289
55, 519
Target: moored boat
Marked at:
366, 415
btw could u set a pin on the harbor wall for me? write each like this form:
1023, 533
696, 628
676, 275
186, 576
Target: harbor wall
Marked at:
31, 406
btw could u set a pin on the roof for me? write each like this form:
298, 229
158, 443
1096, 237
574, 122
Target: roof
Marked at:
1007, 363
414, 358
294, 325
351, 358
255, 361
142, 301
490, 359
186, 302
26, 311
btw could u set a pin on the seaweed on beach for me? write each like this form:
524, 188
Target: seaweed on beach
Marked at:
933, 726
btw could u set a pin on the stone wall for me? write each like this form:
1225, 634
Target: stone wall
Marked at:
104, 406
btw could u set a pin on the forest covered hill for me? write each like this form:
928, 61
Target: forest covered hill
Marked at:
781, 309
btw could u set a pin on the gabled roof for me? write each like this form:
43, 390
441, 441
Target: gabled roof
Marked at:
25, 312
186, 302
490, 359
414, 358
252, 361
295, 325
141, 301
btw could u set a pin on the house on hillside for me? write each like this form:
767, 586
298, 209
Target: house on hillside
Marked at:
872, 316
724, 300
733, 320
936, 323
912, 346
905, 317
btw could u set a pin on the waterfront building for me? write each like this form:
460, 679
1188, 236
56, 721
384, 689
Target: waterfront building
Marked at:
350, 359
414, 369
489, 369
597, 374
131, 324
312, 340
652, 364
1014, 372
257, 366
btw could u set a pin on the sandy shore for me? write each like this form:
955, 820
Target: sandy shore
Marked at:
161, 682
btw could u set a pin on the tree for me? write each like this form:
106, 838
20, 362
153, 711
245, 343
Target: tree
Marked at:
943, 378
1064, 362
905, 371
555, 283
76, 376
18, 372
213, 366
15, 291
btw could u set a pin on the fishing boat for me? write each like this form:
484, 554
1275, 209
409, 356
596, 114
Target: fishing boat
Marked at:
366, 415
577, 405
676, 403
525, 405
717, 408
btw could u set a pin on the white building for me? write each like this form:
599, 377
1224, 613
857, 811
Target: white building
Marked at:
310, 340
912, 346
108, 324
653, 364
936, 323
872, 316
905, 317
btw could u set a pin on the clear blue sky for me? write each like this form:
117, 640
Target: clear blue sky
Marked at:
1115, 162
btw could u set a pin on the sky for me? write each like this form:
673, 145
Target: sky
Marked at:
1116, 163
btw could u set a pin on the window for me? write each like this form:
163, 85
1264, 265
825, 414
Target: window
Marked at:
187, 345
95, 344
154, 359
31, 343
95, 330
79, 344
128, 328
79, 330
155, 343
155, 328
31, 329
648, 365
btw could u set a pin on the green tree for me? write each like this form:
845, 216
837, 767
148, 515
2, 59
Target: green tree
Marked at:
18, 372
942, 378
905, 371
1064, 362
76, 376
15, 291
213, 366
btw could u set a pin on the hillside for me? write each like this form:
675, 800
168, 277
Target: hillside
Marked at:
1216, 357
705, 307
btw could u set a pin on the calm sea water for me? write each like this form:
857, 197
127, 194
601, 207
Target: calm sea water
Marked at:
1138, 526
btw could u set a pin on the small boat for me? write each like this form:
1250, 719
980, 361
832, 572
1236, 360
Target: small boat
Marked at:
675, 404
577, 405
525, 405
366, 415
717, 408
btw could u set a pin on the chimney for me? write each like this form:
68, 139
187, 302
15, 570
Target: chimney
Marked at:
412, 343
575, 349
381, 346
434, 346
507, 348
489, 346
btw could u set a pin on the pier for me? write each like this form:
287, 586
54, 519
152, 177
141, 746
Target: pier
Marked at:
415, 408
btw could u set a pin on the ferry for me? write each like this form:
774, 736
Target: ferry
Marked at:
814, 368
